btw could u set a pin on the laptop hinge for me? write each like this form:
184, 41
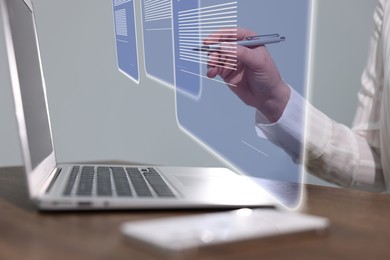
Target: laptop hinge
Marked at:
48, 184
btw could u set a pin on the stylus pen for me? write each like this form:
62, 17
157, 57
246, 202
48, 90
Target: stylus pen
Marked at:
250, 41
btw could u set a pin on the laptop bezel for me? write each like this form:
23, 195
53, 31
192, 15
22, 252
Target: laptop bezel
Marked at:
37, 176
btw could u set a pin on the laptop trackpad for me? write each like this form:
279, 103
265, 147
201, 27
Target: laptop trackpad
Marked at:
222, 189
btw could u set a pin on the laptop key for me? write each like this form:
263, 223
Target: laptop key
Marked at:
86, 181
103, 182
139, 183
158, 184
121, 182
71, 181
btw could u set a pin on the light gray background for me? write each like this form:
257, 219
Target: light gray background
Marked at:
99, 114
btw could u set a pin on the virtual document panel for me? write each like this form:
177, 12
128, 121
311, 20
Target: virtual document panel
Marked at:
158, 45
208, 108
126, 38
187, 35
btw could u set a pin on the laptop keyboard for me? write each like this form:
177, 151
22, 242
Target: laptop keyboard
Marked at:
116, 181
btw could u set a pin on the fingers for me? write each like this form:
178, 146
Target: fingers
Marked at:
254, 59
242, 33
213, 65
224, 60
222, 35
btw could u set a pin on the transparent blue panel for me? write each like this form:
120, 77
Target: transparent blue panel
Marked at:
187, 65
216, 116
126, 38
158, 46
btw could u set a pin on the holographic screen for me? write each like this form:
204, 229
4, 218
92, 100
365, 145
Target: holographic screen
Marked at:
211, 113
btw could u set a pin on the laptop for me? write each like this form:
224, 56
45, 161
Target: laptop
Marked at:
55, 186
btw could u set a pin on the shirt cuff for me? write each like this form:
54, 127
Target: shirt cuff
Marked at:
288, 131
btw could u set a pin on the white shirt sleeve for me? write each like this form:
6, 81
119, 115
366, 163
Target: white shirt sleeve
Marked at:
288, 131
349, 157
334, 152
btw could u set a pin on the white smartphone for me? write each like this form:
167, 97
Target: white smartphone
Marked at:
179, 234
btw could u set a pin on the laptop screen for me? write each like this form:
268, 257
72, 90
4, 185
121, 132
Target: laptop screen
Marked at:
32, 93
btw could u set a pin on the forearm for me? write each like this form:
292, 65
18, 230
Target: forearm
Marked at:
337, 154
274, 103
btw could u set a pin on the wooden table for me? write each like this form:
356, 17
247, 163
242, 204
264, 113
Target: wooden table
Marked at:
360, 229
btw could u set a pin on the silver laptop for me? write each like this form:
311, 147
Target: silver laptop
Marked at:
69, 187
